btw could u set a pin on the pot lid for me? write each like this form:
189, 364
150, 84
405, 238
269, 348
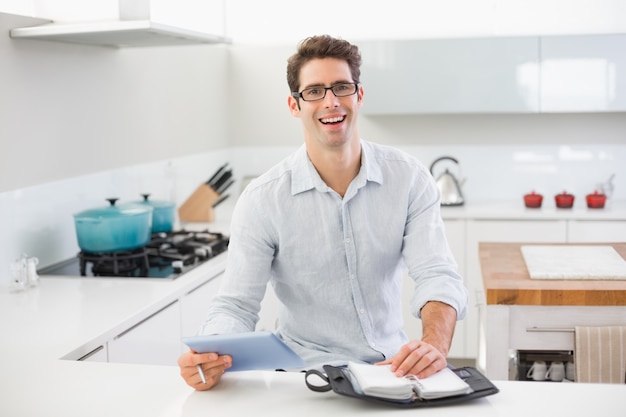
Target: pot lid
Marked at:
156, 203
596, 194
565, 194
113, 210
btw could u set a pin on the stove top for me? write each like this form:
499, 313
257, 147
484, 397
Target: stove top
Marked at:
167, 255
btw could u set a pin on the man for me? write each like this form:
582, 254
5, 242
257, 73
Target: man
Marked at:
332, 228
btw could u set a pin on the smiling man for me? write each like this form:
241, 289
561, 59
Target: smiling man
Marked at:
332, 228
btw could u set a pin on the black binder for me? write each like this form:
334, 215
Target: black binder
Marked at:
339, 380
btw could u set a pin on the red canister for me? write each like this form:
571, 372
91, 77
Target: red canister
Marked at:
596, 200
533, 200
564, 200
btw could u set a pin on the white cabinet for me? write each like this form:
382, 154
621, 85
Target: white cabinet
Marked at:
194, 306
509, 328
455, 233
492, 75
596, 231
154, 341
583, 73
531, 231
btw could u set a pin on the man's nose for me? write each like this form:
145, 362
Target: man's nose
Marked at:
330, 98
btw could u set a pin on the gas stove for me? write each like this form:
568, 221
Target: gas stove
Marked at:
167, 255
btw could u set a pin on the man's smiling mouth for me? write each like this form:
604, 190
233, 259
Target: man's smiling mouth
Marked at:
330, 120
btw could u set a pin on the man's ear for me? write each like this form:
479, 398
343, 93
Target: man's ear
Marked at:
294, 106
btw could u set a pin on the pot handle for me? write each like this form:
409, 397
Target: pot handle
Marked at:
441, 159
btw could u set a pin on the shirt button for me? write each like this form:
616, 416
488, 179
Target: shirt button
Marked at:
348, 240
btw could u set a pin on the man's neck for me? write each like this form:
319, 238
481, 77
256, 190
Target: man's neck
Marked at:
337, 166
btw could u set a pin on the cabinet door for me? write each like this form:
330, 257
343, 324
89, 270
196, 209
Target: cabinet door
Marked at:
194, 305
531, 231
451, 76
154, 341
583, 73
596, 231
455, 233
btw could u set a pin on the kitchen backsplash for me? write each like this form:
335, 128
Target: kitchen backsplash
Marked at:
38, 220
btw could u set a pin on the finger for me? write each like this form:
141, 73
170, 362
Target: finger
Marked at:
430, 361
403, 355
212, 374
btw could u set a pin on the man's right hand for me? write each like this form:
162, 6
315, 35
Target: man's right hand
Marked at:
213, 367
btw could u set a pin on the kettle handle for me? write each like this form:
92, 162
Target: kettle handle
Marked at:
440, 159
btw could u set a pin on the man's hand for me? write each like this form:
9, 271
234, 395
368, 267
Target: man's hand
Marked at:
417, 358
213, 367
423, 358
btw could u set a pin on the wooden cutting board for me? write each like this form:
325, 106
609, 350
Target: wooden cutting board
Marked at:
573, 262
506, 280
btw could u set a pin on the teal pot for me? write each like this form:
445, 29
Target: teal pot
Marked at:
163, 214
114, 228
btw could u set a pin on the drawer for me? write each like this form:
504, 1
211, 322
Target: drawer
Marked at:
552, 327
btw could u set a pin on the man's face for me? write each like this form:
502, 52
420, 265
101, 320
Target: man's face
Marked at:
331, 121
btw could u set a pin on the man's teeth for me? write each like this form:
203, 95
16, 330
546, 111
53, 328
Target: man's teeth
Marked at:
333, 119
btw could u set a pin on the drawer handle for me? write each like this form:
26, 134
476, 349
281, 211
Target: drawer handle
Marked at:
555, 329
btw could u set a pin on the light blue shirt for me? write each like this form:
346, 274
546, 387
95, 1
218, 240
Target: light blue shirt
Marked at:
336, 264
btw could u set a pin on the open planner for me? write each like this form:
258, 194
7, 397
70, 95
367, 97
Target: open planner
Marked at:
379, 381
376, 383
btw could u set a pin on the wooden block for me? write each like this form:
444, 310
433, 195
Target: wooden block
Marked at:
199, 206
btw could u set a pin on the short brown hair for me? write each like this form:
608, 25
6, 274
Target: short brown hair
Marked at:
323, 46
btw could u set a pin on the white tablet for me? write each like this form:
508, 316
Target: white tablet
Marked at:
250, 350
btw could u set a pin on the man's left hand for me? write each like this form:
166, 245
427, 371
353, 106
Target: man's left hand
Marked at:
417, 358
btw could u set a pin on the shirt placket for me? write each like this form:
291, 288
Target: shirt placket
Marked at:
351, 260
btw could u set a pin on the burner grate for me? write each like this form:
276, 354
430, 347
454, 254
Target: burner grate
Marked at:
167, 254
121, 263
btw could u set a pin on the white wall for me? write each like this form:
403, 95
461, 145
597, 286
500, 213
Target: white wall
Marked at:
70, 110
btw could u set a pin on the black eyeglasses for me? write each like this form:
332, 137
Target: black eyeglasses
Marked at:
318, 93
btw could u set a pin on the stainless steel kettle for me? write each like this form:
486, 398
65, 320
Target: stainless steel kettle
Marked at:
449, 186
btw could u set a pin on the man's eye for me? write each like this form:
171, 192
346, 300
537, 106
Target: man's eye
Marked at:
341, 87
312, 92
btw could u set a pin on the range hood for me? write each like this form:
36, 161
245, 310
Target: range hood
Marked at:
134, 28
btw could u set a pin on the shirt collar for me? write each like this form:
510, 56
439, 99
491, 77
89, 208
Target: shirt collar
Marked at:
306, 177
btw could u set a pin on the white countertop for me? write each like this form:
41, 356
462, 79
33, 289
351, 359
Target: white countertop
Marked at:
70, 316
515, 210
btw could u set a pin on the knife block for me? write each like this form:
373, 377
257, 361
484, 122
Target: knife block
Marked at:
199, 206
